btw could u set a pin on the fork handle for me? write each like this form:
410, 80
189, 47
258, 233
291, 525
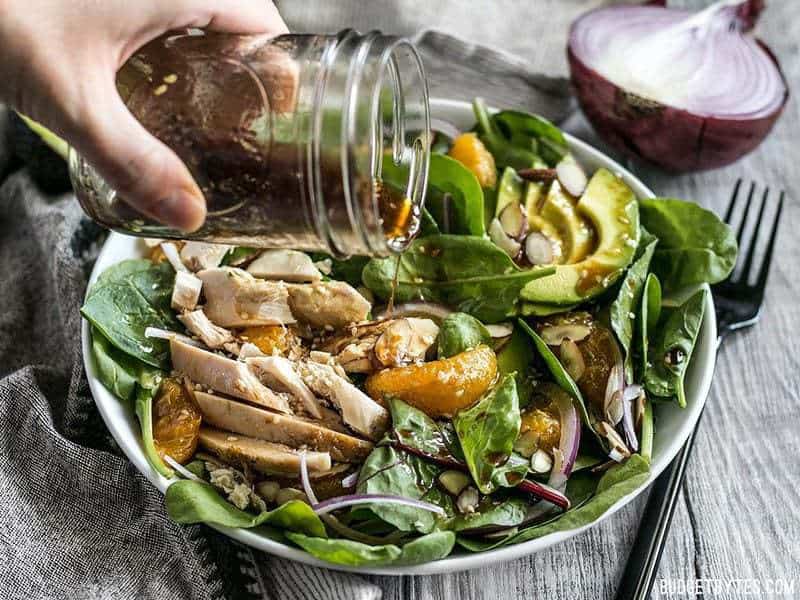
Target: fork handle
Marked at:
642, 566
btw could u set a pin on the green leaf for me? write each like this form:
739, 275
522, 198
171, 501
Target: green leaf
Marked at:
144, 412
126, 299
671, 349
460, 332
516, 356
507, 152
116, 370
198, 502
649, 312
694, 245
621, 311
534, 131
491, 513
616, 483
468, 273
561, 377
433, 546
427, 225
487, 432
390, 470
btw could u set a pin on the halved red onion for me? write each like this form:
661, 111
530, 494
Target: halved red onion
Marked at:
431, 310
514, 221
571, 176
498, 235
538, 249
684, 91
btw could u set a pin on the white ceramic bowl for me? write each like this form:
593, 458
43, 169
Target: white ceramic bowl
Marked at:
673, 424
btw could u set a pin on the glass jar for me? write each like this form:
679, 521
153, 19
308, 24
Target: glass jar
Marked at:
315, 142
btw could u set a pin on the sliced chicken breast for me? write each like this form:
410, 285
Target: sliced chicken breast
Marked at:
201, 255
285, 265
282, 429
327, 304
265, 457
358, 410
224, 375
199, 325
234, 298
278, 373
186, 292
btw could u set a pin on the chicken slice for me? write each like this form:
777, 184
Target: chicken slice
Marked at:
265, 457
234, 298
201, 255
358, 410
285, 265
224, 375
282, 429
186, 291
331, 304
279, 374
249, 350
199, 325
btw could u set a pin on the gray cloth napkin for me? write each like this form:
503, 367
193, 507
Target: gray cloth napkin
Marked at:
76, 518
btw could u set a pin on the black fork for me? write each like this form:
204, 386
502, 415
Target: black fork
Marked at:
738, 302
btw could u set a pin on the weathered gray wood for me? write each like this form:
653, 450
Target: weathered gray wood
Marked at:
738, 518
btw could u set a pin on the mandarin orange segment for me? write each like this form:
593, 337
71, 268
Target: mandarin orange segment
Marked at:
439, 388
176, 421
270, 339
542, 424
469, 150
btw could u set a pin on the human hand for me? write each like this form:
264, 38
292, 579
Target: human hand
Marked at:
59, 61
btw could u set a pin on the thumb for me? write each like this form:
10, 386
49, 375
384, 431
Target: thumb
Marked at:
145, 173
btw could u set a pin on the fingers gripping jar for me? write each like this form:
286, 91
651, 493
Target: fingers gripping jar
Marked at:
315, 142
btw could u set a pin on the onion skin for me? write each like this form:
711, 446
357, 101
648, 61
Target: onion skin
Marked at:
672, 138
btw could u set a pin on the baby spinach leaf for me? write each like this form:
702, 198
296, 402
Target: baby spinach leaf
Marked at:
390, 470
516, 356
469, 273
487, 432
427, 225
460, 332
115, 369
671, 349
491, 513
507, 152
145, 392
525, 129
128, 298
560, 375
198, 502
695, 246
454, 198
621, 311
649, 312
433, 546
616, 483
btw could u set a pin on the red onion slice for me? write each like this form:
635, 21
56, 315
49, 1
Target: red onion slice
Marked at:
683, 91
628, 426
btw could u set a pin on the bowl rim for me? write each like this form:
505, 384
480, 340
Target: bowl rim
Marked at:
108, 405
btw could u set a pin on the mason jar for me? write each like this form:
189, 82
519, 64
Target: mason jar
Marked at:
314, 142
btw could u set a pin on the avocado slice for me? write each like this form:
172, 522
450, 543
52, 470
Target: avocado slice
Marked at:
509, 189
611, 207
577, 235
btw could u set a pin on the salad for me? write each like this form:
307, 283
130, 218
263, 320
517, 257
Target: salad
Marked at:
491, 385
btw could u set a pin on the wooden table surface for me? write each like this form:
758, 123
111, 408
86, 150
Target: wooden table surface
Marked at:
738, 514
